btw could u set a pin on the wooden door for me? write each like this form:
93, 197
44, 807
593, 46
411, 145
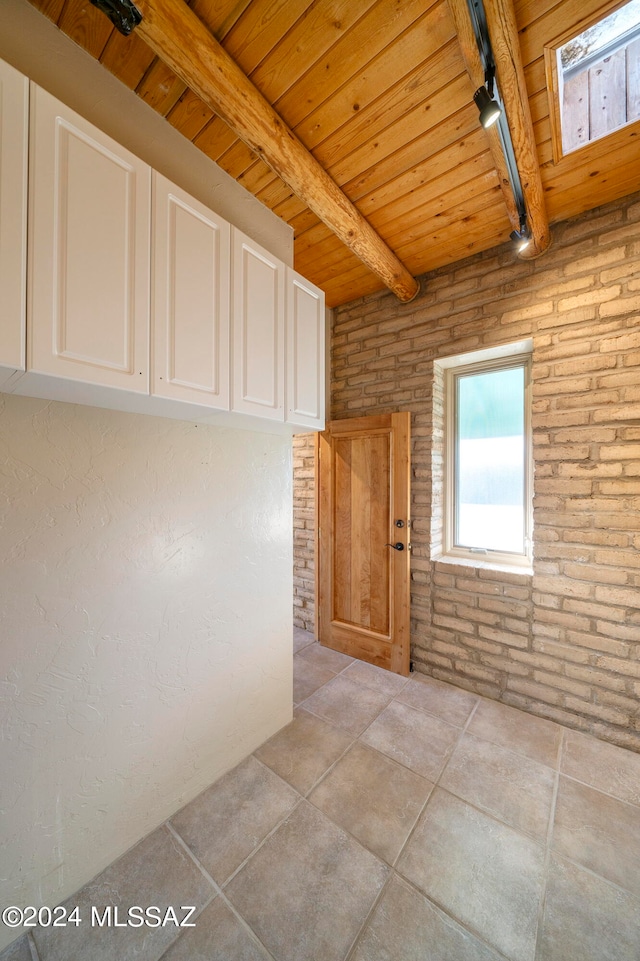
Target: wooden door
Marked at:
364, 539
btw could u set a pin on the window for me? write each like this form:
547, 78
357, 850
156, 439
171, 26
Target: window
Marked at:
487, 471
594, 74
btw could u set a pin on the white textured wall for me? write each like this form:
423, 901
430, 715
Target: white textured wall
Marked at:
145, 596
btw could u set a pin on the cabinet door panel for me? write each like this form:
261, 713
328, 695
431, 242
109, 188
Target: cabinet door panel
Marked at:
305, 352
14, 106
191, 299
258, 317
89, 278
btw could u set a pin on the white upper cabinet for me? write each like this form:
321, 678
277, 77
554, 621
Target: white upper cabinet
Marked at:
14, 130
258, 321
190, 299
88, 306
305, 352
116, 296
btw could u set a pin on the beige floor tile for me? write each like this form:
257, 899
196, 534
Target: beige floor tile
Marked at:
18, 951
156, 872
308, 889
532, 736
484, 873
373, 798
307, 678
304, 750
305, 875
587, 918
217, 936
599, 832
604, 766
436, 697
407, 927
325, 658
350, 706
420, 741
301, 639
377, 678
225, 823
512, 787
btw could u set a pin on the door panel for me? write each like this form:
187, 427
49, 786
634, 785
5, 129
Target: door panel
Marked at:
191, 299
363, 582
305, 352
258, 323
88, 313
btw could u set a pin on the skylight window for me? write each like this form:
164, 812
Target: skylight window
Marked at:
596, 41
595, 76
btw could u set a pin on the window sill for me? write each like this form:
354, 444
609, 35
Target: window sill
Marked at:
486, 565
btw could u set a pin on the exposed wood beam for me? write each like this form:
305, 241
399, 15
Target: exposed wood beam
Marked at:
505, 45
183, 42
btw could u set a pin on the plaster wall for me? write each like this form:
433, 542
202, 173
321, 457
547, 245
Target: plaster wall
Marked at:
145, 567
145, 596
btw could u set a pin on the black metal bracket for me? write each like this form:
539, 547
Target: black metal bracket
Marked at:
123, 14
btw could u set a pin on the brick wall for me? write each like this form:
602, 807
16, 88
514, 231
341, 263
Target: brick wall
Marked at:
304, 523
565, 643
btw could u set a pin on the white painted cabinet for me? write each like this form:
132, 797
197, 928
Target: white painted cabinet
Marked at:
14, 130
148, 304
88, 295
258, 287
190, 329
305, 352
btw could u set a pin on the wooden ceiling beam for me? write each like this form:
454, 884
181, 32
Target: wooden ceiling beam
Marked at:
183, 42
505, 45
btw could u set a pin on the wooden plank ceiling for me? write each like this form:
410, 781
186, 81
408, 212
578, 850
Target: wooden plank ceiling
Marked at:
378, 92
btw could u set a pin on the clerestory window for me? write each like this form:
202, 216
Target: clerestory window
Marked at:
594, 78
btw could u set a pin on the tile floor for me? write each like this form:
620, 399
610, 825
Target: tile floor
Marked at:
393, 820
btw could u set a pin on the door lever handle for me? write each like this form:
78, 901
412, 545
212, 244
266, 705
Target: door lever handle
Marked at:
398, 546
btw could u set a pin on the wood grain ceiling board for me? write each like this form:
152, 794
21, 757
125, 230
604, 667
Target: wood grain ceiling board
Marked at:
457, 218
160, 87
378, 91
79, 22
190, 115
51, 8
129, 58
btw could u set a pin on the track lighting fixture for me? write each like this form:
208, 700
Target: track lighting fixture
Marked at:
491, 112
522, 236
489, 109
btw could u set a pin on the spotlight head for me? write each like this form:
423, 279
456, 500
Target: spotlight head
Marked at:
489, 109
521, 237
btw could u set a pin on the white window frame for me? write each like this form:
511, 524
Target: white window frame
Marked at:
500, 358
